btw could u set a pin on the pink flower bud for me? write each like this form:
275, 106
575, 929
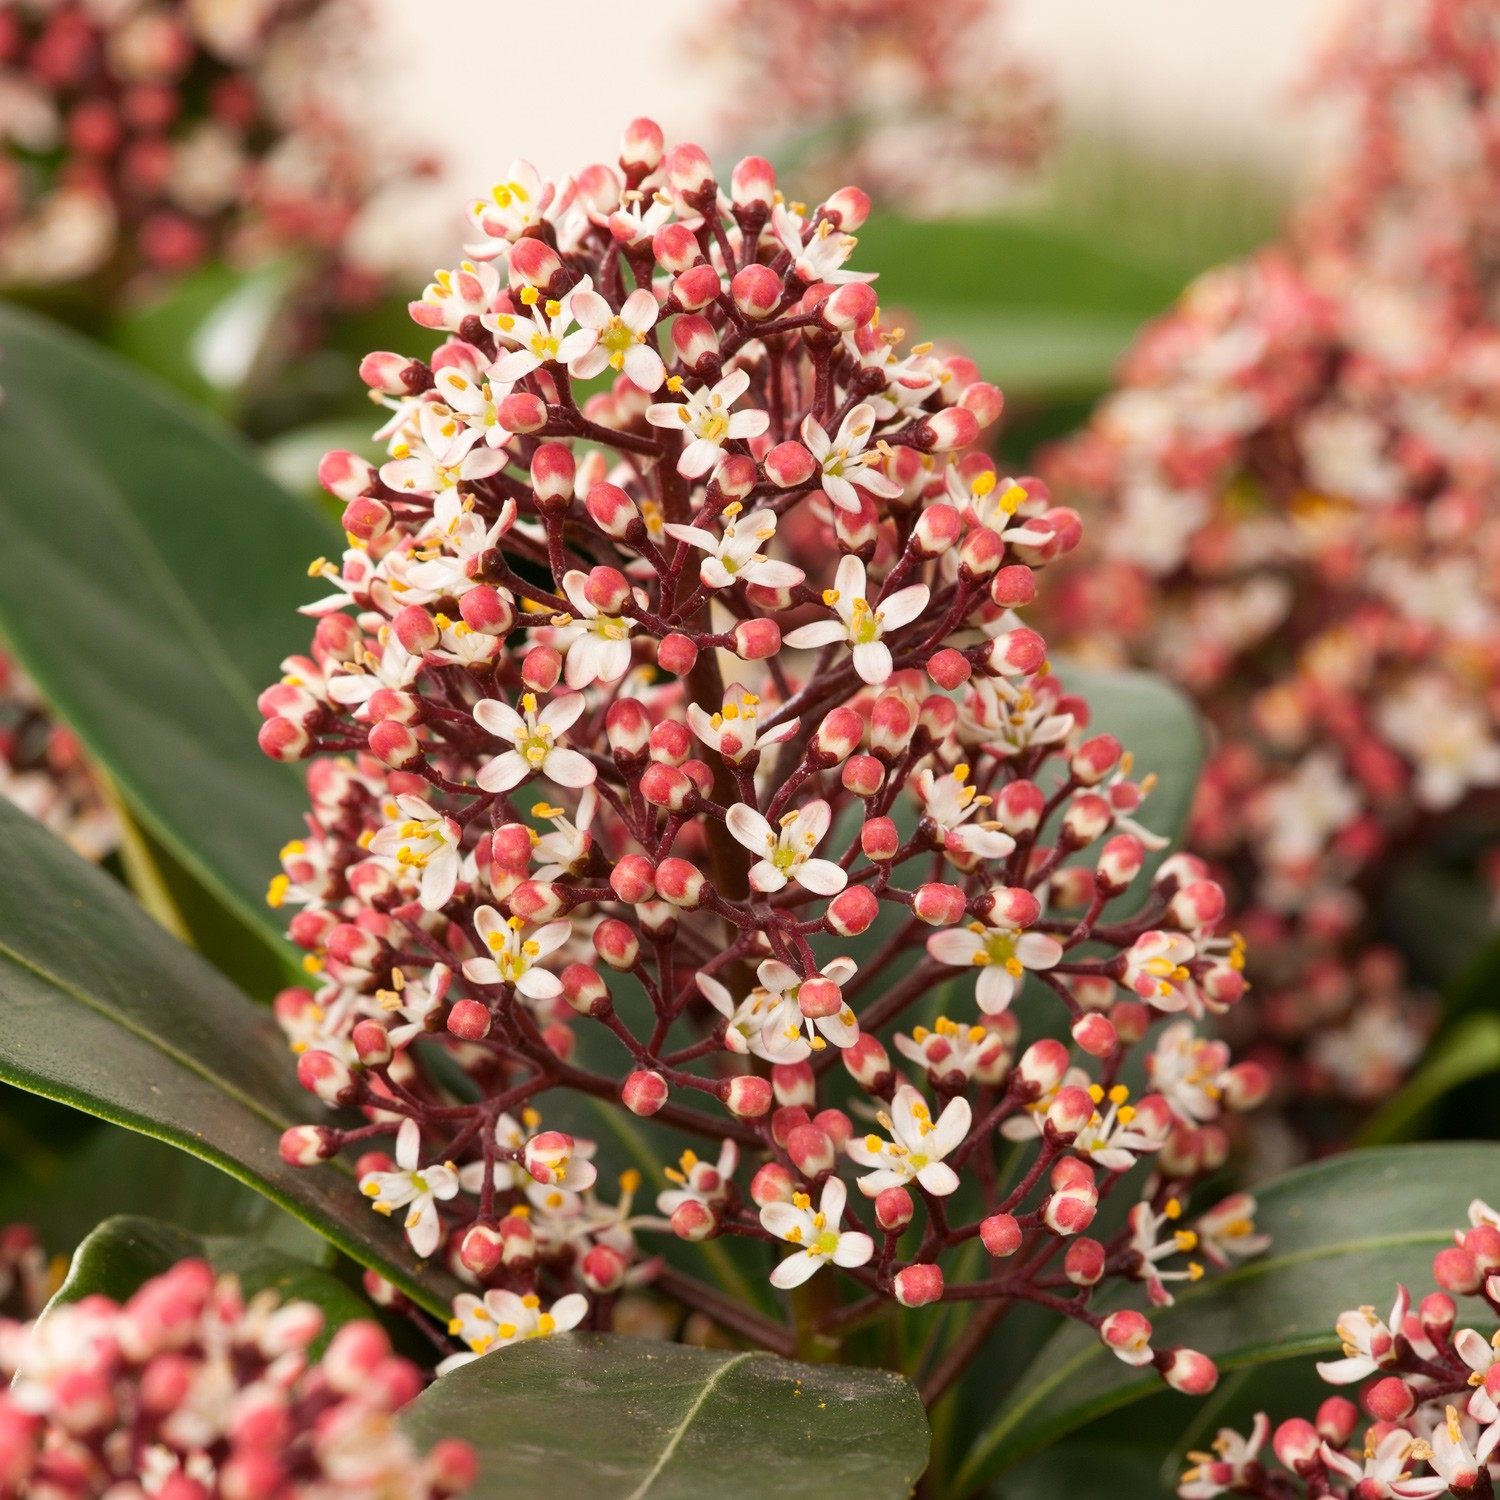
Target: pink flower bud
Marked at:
756, 640
1188, 1371
1296, 1443
541, 668
689, 170
323, 1074
535, 263
849, 207
1197, 906
893, 721
852, 911
1018, 807
1126, 1332
893, 1209
306, 1145
1454, 1270
345, 475
794, 1084
480, 1250
1014, 653
1245, 1085
916, 1286
939, 905
666, 786
366, 518
1083, 1265
628, 728
1095, 758
1010, 906
837, 737
1336, 1420
372, 1042
694, 337
772, 1184
681, 883
850, 306
612, 510
1096, 1035
553, 471
811, 1151
676, 249
487, 610
644, 1093
1119, 863
938, 528
1070, 1210
518, 1240
818, 998
1389, 1400
283, 740
603, 1269
979, 554
1070, 1111
753, 183
1437, 1314
548, 1156
415, 629
747, 1097
694, 290
469, 1020
757, 291
863, 775
948, 668
633, 879
607, 590
984, 400
585, 990
1043, 1064
522, 412
676, 654
641, 146
868, 1063
1001, 1235
1013, 587
789, 465
538, 901
947, 430
617, 945
1088, 817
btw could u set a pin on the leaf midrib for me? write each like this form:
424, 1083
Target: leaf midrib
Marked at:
678, 1432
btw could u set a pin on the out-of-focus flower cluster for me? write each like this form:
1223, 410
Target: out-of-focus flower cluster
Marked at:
1294, 492
142, 137
1433, 1394
674, 652
189, 1392
44, 772
925, 103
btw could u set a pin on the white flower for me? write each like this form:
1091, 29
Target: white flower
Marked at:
1185, 1069
994, 506
570, 841
771, 1021
620, 338
972, 1051
1112, 1139
1456, 1465
1297, 817
499, 1319
1212, 1475
1227, 1231
736, 555
476, 400
733, 731
1154, 968
698, 1182
847, 459
706, 417
860, 624
1007, 718
948, 802
822, 257
446, 571
534, 734
353, 683
426, 840
1145, 1227
449, 454
787, 854
597, 645
407, 1186
545, 340
818, 1234
1002, 955
453, 296
1369, 1344
417, 1001
524, 200
917, 1146
1388, 1462
516, 957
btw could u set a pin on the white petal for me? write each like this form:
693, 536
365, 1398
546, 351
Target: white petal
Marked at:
872, 660
750, 828
904, 605
794, 1270
820, 876
567, 768
504, 772
819, 633
853, 1250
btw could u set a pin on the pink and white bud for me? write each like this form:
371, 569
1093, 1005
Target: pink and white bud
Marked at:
328, 1077
795, 1085
617, 945
469, 1020
1390, 1400
756, 640
1070, 1210
689, 170
946, 430
1095, 758
283, 740
811, 1150
1043, 1064
345, 475
1297, 1444
681, 883
633, 879
939, 905
747, 1097
1127, 1334
868, 1063
644, 1093
789, 466
522, 412
676, 654
553, 473
949, 669
850, 306
584, 989
641, 146
1187, 1371
1070, 1111
480, 1250
602, 1270
916, 1286
1083, 1265
1001, 1235
938, 528
1015, 653
852, 911
1013, 587
894, 1209
757, 291
1096, 1035
307, 1145
1336, 1420
772, 1184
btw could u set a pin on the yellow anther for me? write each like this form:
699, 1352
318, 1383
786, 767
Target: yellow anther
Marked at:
1119, 1094
1096, 1093
276, 894
630, 1180
801, 1200
1173, 1210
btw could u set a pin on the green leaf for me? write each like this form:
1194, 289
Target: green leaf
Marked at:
594, 1417
103, 1010
1343, 1232
126, 1251
1467, 1050
149, 579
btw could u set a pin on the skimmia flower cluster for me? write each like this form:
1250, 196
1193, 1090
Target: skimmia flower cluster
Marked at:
1293, 487
145, 136
673, 740
190, 1392
1433, 1395
925, 103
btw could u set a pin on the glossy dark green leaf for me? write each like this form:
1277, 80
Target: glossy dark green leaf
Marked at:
1344, 1232
126, 1251
149, 579
595, 1417
103, 1010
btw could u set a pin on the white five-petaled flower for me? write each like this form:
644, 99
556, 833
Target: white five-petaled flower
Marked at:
1154, 967
476, 400
449, 454
949, 803
1114, 1140
736, 555
706, 418
516, 954
597, 646
822, 257
501, 1318
993, 506
426, 840
1456, 1466
436, 571
733, 731
570, 839
917, 1146
534, 734
1001, 954
818, 1235
620, 338
772, 1021
547, 338
1227, 1467
786, 853
452, 296
860, 623
1369, 1344
417, 1191
699, 1181
418, 1001
1227, 1231
847, 459
1146, 1227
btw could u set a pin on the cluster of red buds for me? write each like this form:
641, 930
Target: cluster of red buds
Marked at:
921, 100
637, 710
142, 137
1433, 1395
44, 772
27, 1279
1293, 489
189, 1392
